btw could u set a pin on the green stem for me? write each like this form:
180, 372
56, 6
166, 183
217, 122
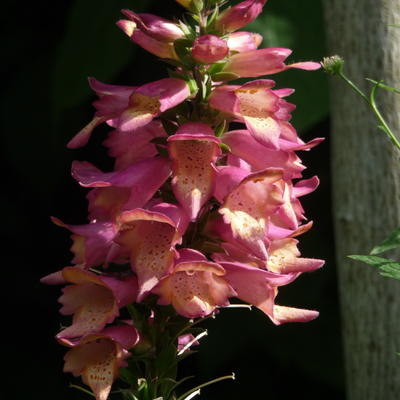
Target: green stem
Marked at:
82, 389
371, 102
222, 378
378, 115
354, 87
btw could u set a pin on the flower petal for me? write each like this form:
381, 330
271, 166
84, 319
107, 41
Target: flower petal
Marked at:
193, 171
248, 207
150, 237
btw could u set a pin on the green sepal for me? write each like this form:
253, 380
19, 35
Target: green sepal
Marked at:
183, 50
224, 76
225, 148
220, 129
182, 47
216, 67
192, 86
391, 242
197, 6
187, 30
211, 19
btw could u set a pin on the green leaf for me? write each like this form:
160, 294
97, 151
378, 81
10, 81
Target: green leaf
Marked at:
383, 86
391, 242
371, 260
387, 267
391, 270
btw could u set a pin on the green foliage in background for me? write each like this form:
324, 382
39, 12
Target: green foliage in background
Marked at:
387, 267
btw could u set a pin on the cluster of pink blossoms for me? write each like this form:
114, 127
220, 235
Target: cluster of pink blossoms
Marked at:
193, 213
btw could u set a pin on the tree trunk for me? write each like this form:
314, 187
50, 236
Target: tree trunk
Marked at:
366, 187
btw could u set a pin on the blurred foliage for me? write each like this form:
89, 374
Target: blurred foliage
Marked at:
92, 45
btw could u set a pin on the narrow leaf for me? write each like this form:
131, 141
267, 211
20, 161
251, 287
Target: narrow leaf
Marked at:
391, 242
383, 86
391, 270
372, 260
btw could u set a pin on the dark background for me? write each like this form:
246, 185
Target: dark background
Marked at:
49, 50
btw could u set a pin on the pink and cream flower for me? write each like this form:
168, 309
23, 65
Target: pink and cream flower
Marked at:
98, 357
94, 300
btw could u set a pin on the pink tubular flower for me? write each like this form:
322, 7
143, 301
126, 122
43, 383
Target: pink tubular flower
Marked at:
194, 150
92, 243
248, 207
233, 18
208, 49
195, 286
150, 100
150, 237
243, 145
94, 300
290, 213
155, 26
121, 190
112, 101
98, 357
243, 41
255, 63
259, 287
262, 110
153, 46
154, 34
283, 257
134, 146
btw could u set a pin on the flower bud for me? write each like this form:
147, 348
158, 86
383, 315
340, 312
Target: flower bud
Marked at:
208, 49
333, 65
241, 14
243, 41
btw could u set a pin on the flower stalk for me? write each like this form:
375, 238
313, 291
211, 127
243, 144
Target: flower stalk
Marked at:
195, 212
334, 65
